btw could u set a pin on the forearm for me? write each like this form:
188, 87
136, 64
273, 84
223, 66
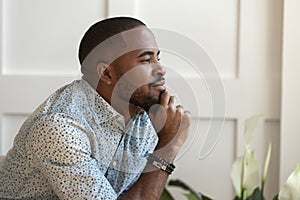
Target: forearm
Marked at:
150, 185
152, 182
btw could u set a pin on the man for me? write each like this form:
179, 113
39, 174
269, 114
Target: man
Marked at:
93, 138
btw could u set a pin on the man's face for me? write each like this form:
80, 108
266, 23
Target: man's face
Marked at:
139, 75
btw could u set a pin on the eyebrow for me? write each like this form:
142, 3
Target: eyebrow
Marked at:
148, 53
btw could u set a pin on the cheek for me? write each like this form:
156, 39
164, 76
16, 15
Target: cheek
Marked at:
138, 76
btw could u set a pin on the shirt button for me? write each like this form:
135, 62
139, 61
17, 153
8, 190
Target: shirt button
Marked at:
114, 163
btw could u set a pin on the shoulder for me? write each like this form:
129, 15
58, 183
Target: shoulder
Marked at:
59, 136
58, 121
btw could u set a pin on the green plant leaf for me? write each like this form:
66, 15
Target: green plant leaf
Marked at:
179, 183
256, 195
237, 198
166, 195
182, 185
191, 196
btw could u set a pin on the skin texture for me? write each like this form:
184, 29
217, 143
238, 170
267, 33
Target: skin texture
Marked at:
135, 81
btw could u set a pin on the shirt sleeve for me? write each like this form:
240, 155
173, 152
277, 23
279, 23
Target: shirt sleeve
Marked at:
62, 152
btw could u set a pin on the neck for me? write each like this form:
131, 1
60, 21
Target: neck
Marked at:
126, 109
92, 81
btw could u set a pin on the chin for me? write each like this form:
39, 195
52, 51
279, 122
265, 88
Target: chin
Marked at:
145, 103
145, 99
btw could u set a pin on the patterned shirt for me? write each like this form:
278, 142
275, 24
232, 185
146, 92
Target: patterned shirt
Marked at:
76, 146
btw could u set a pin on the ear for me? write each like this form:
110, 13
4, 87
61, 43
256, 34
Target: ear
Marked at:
104, 73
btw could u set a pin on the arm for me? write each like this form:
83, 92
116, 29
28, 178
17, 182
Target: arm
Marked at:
61, 151
172, 135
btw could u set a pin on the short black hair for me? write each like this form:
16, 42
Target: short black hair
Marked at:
103, 30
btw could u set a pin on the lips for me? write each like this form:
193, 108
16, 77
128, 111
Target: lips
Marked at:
159, 85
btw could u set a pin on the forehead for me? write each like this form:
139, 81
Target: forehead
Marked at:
131, 42
138, 38
136, 41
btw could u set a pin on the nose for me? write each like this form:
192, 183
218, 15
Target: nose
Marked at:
158, 69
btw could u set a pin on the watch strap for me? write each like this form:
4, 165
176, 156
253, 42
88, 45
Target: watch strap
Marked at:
160, 163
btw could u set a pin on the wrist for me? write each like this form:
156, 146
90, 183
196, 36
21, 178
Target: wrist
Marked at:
160, 163
168, 152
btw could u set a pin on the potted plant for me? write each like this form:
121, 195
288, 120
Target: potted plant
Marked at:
245, 175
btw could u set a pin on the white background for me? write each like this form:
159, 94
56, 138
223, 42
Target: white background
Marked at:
253, 44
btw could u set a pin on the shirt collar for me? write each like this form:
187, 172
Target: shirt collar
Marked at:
102, 110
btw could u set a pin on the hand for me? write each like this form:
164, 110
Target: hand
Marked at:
172, 124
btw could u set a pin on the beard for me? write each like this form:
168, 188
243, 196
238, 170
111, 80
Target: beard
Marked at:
145, 98
135, 90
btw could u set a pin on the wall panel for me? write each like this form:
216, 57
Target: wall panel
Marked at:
42, 37
39, 45
210, 175
260, 39
10, 125
202, 21
290, 113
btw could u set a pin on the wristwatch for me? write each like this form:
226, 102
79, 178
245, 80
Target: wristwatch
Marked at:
160, 163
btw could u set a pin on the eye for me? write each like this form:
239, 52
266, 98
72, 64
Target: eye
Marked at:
150, 59
146, 60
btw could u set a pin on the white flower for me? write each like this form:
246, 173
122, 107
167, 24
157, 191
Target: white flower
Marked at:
291, 189
251, 176
245, 171
250, 126
236, 175
245, 174
266, 166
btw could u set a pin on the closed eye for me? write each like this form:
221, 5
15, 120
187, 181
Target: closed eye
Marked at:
146, 54
147, 60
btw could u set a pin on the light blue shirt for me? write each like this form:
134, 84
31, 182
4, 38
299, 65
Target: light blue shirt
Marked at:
76, 146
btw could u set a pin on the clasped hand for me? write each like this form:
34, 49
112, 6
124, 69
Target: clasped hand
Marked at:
172, 124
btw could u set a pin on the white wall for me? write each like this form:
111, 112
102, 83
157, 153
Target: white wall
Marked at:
290, 107
38, 53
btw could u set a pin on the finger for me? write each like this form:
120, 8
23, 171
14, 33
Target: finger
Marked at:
171, 103
187, 112
180, 107
164, 99
171, 100
187, 118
